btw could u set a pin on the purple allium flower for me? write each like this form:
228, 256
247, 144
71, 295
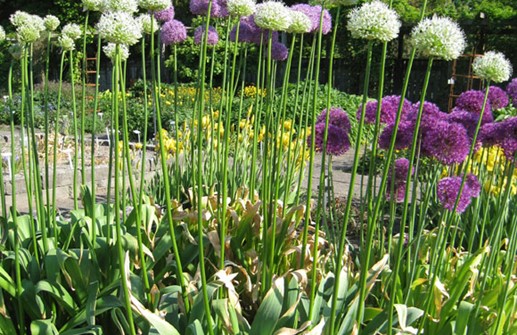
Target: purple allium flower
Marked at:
337, 139
250, 32
472, 101
337, 117
491, 134
431, 113
165, 15
473, 185
404, 136
497, 97
279, 51
200, 7
389, 108
466, 119
173, 32
508, 137
399, 182
212, 37
446, 142
511, 89
448, 189
314, 13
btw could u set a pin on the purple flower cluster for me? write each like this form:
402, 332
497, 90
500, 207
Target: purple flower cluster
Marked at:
279, 51
511, 90
404, 137
503, 134
200, 7
249, 32
212, 36
446, 142
398, 177
165, 15
497, 97
314, 14
337, 133
389, 108
173, 32
448, 190
472, 101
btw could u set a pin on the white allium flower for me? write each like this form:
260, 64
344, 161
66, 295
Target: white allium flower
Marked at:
28, 27
92, 5
2, 34
72, 30
493, 66
110, 50
145, 21
128, 6
438, 37
119, 28
300, 23
374, 21
66, 43
155, 5
272, 15
241, 7
51, 22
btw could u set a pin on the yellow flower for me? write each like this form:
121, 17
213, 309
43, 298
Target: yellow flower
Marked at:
138, 146
288, 124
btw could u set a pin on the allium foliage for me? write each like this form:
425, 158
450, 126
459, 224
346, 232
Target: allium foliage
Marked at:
438, 37
273, 15
492, 66
51, 22
374, 21
119, 28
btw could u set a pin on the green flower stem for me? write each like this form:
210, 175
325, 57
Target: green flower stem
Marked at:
50, 210
92, 158
412, 155
14, 215
177, 167
76, 135
256, 126
146, 119
56, 143
120, 250
83, 101
348, 208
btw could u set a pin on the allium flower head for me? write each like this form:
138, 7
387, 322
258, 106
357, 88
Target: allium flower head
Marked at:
374, 21
250, 32
448, 190
173, 32
473, 186
279, 51
92, 5
72, 30
337, 139
28, 27
492, 66
110, 50
127, 6
491, 134
466, 119
389, 108
472, 101
2, 34
438, 37
148, 27
240, 8
399, 178
300, 23
51, 22
337, 117
212, 37
498, 98
404, 135
447, 142
314, 14
431, 113
508, 136
66, 43
119, 28
165, 15
154, 5
200, 7
511, 89
272, 15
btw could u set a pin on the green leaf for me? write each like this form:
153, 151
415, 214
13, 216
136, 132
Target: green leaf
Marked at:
269, 310
195, 328
464, 311
43, 327
7, 283
59, 293
162, 326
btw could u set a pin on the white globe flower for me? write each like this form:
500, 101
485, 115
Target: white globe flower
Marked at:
66, 43
240, 8
92, 5
272, 15
155, 5
438, 37
51, 22
20, 18
28, 27
128, 6
119, 28
493, 66
300, 23
148, 26
2, 34
72, 30
374, 21
110, 50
